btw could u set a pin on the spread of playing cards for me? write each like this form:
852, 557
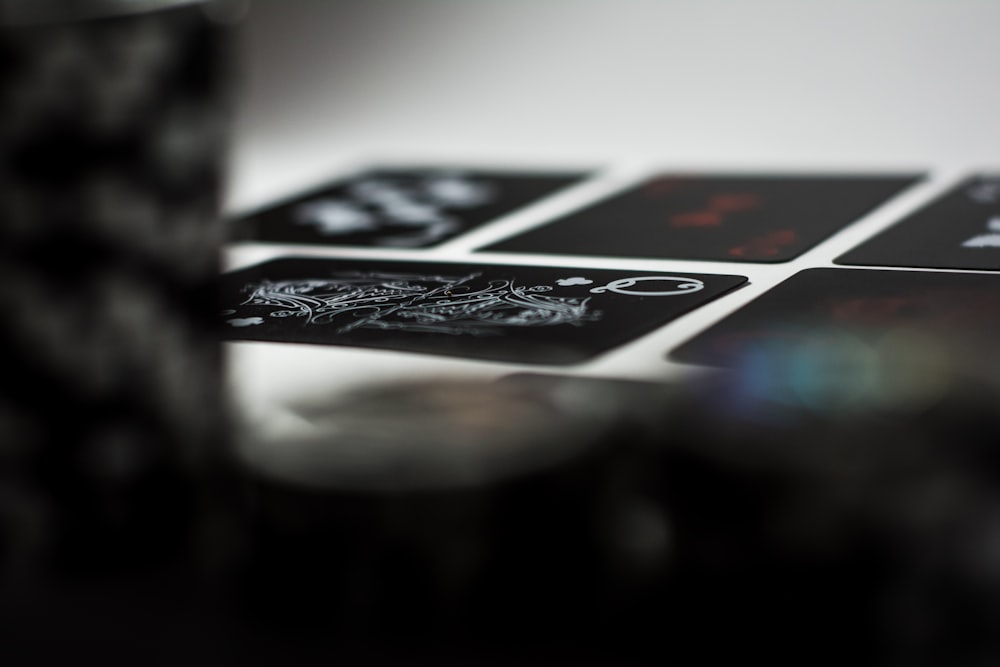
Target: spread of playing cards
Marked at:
448, 263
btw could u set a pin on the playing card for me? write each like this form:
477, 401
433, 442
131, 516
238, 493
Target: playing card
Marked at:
960, 230
399, 208
508, 313
950, 306
714, 217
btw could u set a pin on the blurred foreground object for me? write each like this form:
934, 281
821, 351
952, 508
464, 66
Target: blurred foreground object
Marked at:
112, 127
787, 511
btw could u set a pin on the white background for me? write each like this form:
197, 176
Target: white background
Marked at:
754, 82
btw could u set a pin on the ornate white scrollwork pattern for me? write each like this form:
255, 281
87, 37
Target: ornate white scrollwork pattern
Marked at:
424, 303
680, 286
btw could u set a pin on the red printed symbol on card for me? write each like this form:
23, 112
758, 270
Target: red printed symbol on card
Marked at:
764, 247
696, 219
716, 209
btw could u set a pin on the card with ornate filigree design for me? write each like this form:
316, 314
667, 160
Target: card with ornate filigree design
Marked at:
525, 314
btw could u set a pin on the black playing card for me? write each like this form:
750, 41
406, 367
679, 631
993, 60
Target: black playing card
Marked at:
507, 313
864, 301
399, 208
714, 217
958, 231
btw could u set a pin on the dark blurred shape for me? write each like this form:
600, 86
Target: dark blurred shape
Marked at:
112, 135
893, 311
559, 520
